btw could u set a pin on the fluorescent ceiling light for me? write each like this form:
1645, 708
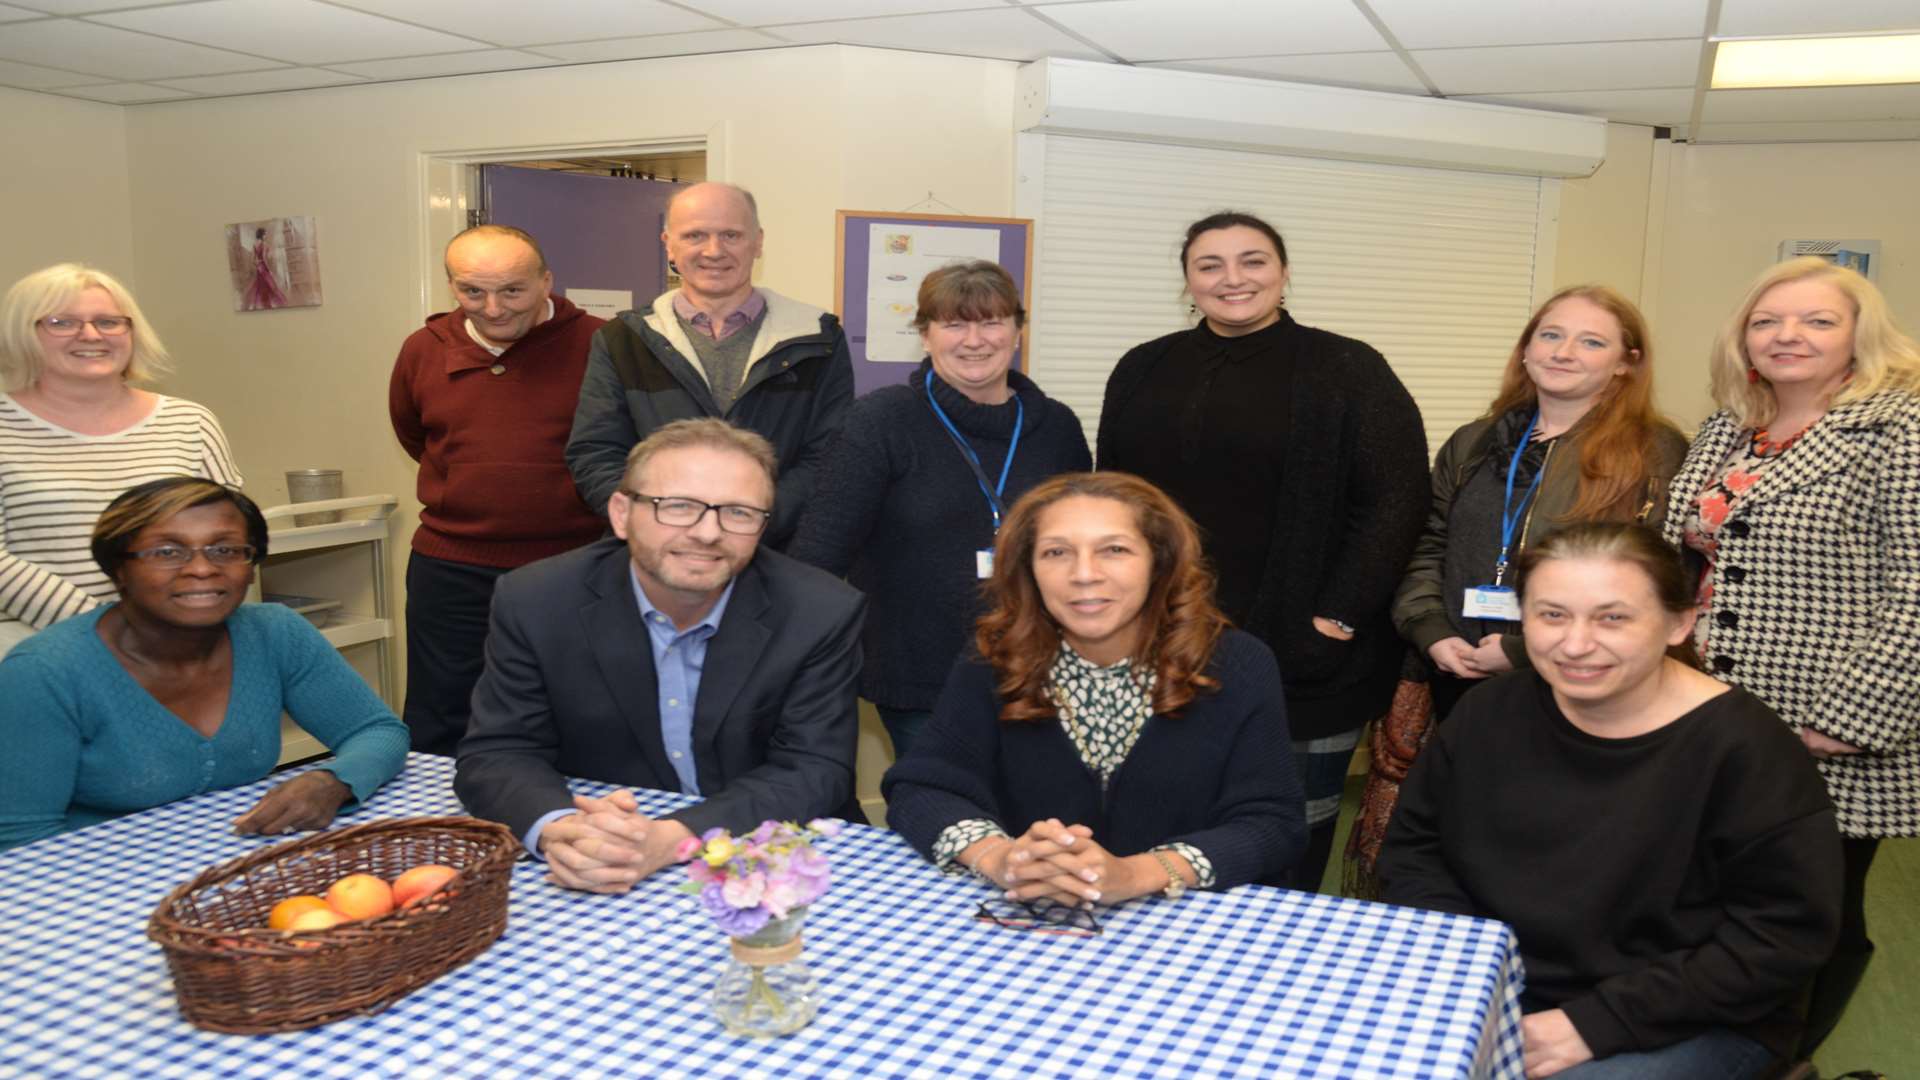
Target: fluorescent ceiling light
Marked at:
1820, 61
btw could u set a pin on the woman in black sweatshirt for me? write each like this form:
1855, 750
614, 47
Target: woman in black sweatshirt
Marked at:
1659, 841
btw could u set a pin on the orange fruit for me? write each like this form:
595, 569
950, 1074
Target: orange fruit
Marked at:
284, 912
360, 896
421, 882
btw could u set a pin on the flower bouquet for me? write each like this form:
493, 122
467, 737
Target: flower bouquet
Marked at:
756, 888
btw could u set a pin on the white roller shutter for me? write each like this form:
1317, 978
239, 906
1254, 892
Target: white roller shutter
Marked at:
1435, 268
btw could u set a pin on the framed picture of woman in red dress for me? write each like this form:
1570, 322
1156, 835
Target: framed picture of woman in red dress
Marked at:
274, 264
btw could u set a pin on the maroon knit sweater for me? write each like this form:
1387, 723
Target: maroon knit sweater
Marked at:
494, 487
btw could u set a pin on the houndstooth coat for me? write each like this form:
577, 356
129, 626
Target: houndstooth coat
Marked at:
1816, 595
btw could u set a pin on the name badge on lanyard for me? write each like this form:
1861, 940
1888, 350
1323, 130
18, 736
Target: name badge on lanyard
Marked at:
1498, 600
983, 557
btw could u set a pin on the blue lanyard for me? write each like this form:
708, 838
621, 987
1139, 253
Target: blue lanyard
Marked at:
1511, 514
993, 494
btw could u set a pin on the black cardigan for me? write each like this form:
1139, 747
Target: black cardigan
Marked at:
1219, 777
897, 511
1354, 498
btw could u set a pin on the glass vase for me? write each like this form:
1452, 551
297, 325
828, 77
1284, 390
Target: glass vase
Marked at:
766, 988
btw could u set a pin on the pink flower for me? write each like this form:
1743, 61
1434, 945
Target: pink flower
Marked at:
745, 892
687, 849
827, 827
783, 894
698, 870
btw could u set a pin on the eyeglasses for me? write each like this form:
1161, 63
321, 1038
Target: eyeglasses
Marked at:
175, 556
107, 325
1043, 916
684, 513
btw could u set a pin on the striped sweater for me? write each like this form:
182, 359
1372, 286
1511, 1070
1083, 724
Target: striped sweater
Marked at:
54, 483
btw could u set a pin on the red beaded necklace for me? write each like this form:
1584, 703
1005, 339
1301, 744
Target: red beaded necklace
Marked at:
1764, 446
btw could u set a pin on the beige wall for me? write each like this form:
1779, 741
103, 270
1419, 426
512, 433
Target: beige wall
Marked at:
1603, 217
64, 188
1728, 208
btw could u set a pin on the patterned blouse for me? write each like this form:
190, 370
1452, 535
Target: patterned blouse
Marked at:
1102, 709
1710, 509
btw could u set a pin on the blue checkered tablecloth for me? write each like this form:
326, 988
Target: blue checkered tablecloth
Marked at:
1256, 982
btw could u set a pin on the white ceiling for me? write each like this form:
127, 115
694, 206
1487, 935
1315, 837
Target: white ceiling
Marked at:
1637, 61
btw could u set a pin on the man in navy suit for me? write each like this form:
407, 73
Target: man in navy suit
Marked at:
674, 655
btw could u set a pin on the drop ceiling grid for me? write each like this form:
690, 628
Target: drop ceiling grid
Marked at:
1635, 60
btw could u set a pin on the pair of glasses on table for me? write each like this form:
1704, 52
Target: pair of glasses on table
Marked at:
1042, 916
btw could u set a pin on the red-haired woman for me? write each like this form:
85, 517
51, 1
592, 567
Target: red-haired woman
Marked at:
1113, 737
1572, 436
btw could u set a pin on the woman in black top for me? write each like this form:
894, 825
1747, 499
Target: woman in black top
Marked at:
1303, 460
909, 498
1660, 842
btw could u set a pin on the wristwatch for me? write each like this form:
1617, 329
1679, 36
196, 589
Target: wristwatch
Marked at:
1176, 888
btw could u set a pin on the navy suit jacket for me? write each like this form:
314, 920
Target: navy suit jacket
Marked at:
569, 690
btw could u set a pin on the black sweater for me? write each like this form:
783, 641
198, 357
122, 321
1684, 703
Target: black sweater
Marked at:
1219, 777
897, 511
1328, 519
1660, 885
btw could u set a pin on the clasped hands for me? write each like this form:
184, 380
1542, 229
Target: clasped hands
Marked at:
1065, 864
1458, 658
607, 845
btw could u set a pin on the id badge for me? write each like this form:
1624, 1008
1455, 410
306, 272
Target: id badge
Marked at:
983, 563
1492, 602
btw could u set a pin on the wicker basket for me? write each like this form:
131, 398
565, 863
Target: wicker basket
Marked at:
232, 974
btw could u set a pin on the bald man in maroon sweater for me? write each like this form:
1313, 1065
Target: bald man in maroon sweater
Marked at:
483, 398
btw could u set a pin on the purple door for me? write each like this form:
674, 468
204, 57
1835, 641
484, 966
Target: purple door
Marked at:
601, 233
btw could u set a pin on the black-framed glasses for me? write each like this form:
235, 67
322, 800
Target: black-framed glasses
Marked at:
1044, 916
106, 325
685, 513
175, 556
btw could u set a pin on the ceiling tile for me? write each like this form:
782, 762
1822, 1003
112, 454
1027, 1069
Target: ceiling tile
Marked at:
115, 54
124, 93
1655, 108
35, 77
1756, 18
463, 63
1365, 70
259, 82
83, 7
1183, 29
1426, 24
301, 31
1005, 34
1844, 131
770, 12
1606, 65
710, 41
515, 22
1832, 103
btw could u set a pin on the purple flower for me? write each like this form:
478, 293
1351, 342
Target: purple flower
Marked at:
738, 922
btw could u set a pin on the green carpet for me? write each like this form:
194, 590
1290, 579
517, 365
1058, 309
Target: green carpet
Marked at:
1882, 1027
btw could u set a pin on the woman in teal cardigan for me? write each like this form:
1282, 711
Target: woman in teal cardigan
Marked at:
178, 688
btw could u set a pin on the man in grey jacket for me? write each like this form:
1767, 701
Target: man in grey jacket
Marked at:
715, 347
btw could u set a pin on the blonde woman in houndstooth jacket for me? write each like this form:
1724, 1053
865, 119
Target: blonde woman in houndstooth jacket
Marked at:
1800, 504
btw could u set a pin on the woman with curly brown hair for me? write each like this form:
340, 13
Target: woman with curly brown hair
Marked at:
1113, 737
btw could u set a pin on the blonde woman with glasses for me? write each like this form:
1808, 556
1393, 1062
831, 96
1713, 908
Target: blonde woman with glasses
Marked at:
75, 431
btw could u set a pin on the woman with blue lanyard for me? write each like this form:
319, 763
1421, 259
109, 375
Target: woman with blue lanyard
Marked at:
1572, 436
912, 493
